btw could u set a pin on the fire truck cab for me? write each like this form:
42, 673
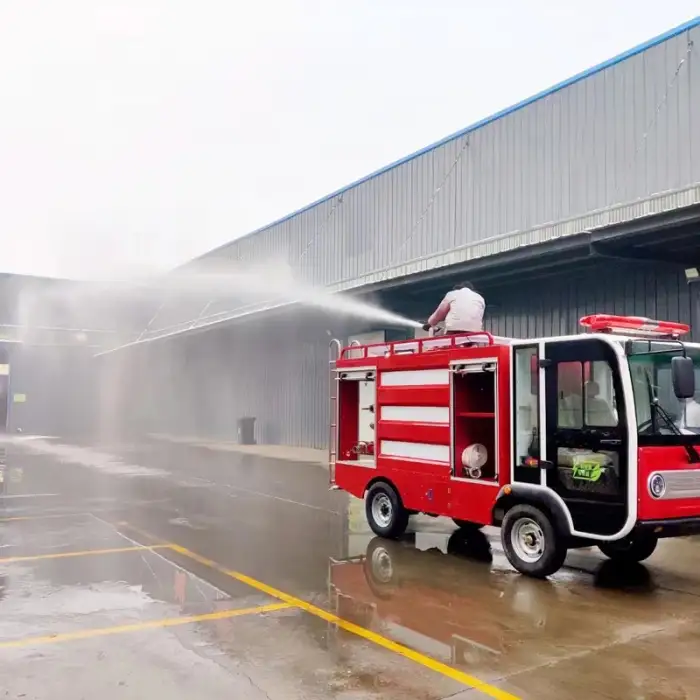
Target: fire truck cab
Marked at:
562, 442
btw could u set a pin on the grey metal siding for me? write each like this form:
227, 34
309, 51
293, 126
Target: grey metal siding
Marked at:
201, 386
554, 307
620, 135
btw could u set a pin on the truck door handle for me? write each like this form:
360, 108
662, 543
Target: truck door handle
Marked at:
611, 442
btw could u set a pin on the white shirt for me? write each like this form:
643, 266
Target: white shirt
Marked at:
461, 310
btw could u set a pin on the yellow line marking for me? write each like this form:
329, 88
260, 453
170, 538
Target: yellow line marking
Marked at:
19, 518
82, 553
140, 626
378, 639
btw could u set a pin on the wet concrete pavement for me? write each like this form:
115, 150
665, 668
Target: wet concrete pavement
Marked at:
132, 569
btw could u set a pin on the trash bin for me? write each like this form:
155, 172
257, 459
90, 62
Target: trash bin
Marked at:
246, 430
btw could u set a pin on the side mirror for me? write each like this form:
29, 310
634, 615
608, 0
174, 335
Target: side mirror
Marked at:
683, 377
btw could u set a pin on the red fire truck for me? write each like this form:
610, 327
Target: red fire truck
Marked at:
563, 442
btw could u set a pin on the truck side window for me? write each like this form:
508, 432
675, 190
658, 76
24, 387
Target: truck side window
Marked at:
570, 395
585, 395
599, 396
527, 418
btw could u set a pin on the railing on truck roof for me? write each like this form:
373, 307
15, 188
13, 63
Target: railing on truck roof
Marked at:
355, 351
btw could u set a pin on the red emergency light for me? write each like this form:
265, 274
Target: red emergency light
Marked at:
634, 325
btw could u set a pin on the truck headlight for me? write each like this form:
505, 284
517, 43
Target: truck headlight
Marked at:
657, 485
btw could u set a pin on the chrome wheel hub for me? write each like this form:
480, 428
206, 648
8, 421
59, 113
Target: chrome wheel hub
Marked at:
527, 540
382, 510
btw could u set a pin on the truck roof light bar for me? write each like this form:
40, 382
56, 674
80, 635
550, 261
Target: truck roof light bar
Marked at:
634, 325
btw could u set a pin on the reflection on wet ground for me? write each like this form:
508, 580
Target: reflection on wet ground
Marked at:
125, 568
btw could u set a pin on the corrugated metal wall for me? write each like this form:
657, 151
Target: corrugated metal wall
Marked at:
555, 307
277, 371
620, 135
201, 385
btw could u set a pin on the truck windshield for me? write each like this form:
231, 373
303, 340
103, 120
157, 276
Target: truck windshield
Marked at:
650, 367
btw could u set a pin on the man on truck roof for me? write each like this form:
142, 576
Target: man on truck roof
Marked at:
462, 311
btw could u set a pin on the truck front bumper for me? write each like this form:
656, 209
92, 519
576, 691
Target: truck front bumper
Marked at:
674, 527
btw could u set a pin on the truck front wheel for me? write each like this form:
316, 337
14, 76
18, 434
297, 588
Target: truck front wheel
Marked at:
631, 549
531, 542
385, 513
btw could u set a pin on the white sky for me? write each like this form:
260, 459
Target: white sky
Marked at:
145, 132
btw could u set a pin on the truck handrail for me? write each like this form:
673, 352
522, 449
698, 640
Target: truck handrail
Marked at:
414, 346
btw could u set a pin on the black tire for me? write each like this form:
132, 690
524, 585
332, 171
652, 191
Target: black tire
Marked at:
531, 542
466, 524
630, 550
385, 513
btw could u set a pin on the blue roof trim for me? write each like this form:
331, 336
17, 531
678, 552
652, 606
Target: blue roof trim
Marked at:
686, 26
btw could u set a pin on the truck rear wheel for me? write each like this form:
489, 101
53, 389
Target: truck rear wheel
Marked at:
631, 549
385, 513
531, 542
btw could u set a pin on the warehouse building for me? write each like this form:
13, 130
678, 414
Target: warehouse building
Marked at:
585, 197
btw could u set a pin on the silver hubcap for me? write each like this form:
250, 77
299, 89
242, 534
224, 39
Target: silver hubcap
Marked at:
382, 511
381, 565
527, 540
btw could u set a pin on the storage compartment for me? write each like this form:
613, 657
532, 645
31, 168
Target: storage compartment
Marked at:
356, 418
474, 422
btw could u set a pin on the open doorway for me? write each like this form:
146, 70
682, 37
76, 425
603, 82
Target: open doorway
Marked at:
367, 393
474, 425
